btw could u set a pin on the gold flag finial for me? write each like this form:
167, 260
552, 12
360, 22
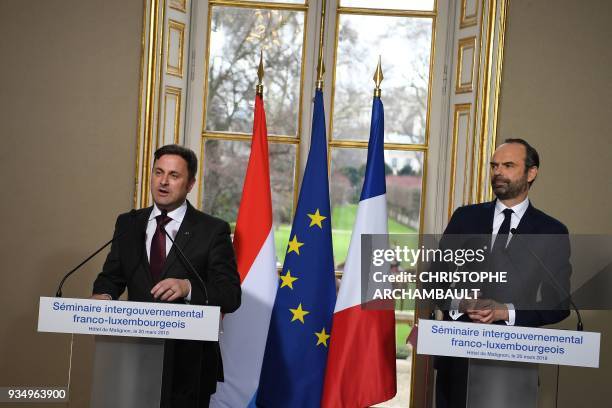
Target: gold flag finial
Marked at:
378, 78
320, 73
260, 75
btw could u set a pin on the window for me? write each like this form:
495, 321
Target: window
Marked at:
236, 37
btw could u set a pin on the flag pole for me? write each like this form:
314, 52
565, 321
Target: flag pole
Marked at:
321, 65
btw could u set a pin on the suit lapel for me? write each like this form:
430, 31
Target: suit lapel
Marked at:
526, 225
141, 233
182, 239
521, 263
485, 226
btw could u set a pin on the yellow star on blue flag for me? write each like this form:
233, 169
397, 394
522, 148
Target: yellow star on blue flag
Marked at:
316, 219
287, 280
322, 337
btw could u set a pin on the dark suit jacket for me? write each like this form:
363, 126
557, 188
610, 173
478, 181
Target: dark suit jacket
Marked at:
525, 278
525, 274
191, 368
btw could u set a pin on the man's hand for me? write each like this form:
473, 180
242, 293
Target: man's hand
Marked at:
467, 304
101, 296
171, 289
487, 311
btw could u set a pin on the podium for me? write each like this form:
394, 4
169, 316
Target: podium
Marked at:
501, 384
127, 372
130, 342
498, 364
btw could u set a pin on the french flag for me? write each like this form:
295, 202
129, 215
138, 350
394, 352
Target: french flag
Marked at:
244, 332
361, 362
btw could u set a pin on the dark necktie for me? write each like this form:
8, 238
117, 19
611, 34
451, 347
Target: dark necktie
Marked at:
504, 230
157, 256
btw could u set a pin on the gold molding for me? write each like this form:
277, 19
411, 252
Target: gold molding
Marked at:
156, 15
204, 106
461, 110
180, 5
332, 98
469, 167
199, 203
386, 12
176, 26
388, 146
238, 136
480, 196
474, 182
485, 141
500, 60
259, 5
173, 92
160, 91
424, 184
432, 58
492, 68
468, 20
140, 102
463, 46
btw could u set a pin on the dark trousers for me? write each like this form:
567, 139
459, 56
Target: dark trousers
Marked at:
451, 382
178, 401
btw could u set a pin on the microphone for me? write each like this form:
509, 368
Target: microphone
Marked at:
58, 293
559, 287
190, 266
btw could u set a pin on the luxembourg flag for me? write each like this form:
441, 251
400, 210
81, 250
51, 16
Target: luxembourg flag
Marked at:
243, 339
361, 362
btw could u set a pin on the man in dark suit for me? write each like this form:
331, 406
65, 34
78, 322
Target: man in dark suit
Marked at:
144, 260
508, 224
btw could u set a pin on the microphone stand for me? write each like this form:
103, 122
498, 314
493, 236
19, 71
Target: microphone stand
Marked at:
190, 266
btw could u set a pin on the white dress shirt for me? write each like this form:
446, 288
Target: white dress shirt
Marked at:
176, 219
498, 219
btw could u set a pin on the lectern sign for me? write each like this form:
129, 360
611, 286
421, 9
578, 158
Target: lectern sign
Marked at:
134, 319
508, 343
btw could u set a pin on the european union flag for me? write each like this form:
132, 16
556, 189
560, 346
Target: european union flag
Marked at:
296, 351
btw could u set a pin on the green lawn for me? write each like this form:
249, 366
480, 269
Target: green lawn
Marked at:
343, 218
402, 331
281, 237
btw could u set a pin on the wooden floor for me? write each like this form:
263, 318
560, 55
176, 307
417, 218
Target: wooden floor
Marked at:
402, 398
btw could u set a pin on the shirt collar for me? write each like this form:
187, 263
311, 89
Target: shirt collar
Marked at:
176, 215
518, 209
